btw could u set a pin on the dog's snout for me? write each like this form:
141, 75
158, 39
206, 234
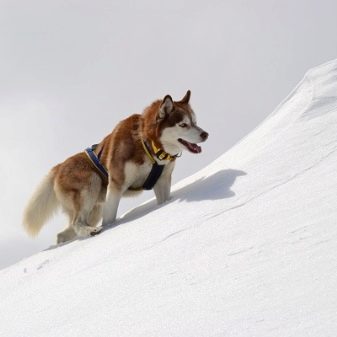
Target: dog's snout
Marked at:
204, 135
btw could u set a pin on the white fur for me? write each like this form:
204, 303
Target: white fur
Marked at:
135, 174
41, 206
170, 136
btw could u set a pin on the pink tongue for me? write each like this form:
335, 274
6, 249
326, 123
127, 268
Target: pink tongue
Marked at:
194, 147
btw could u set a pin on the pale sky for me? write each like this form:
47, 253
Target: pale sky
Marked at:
70, 70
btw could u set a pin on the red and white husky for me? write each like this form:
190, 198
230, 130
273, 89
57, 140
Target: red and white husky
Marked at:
129, 154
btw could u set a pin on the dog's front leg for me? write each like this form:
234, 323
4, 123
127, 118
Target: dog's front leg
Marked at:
111, 205
162, 189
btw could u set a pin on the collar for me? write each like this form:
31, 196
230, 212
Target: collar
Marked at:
158, 152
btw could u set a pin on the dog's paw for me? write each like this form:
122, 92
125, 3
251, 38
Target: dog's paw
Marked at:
96, 231
60, 238
83, 231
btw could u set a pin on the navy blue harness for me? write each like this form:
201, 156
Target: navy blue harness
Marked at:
95, 161
155, 172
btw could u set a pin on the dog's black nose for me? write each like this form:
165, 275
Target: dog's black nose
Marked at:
204, 135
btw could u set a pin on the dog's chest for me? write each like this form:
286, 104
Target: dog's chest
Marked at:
135, 174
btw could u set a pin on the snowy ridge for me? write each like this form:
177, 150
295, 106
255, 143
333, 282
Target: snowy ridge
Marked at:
246, 247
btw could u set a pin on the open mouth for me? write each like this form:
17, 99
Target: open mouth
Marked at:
194, 148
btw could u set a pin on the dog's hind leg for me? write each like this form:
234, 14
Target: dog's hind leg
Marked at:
77, 227
84, 221
81, 206
86, 218
95, 215
82, 230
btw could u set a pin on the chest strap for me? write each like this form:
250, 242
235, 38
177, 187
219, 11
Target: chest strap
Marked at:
156, 169
153, 176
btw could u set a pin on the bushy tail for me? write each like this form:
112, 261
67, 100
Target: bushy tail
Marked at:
41, 206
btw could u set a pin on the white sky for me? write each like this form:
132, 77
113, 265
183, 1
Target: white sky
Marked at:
70, 70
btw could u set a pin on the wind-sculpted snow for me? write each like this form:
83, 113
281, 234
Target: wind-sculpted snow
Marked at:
246, 247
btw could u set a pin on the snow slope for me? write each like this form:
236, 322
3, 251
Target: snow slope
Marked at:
246, 247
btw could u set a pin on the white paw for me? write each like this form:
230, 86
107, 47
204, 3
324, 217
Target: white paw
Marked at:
85, 231
96, 230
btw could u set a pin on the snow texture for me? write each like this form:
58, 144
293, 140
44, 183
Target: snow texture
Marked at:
246, 247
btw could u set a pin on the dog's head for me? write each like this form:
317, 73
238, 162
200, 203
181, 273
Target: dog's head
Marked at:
178, 126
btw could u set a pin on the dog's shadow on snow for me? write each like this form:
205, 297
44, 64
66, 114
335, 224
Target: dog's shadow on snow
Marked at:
214, 187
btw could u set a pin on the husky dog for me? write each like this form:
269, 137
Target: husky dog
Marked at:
140, 153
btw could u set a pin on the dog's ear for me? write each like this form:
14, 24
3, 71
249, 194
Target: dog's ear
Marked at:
186, 98
166, 106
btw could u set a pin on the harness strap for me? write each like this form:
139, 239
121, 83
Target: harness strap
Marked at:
94, 159
156, 169
153, 176
147, 151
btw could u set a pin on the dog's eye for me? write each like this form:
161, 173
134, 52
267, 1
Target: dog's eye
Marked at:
183, 125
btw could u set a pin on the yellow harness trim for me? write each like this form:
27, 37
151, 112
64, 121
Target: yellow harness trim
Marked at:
148, 152
161, 154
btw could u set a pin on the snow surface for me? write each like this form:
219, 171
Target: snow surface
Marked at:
246, 247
